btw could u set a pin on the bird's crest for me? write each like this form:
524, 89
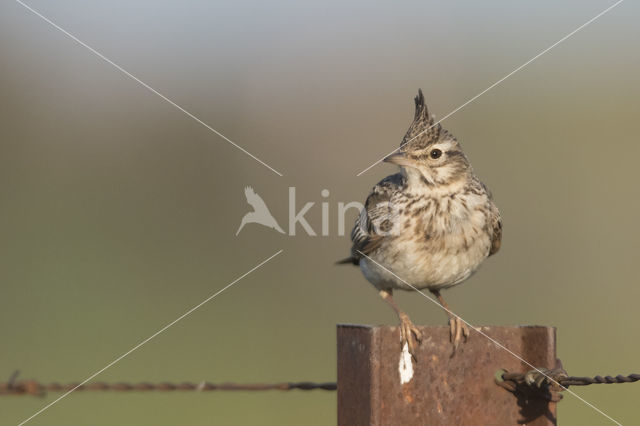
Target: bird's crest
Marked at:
424, 130
422, 112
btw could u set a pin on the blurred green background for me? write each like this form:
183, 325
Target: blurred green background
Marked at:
118, 212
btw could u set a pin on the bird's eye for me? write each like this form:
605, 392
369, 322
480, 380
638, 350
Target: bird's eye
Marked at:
435, 153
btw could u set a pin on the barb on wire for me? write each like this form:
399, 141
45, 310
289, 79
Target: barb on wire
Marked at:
547, 384
33, 387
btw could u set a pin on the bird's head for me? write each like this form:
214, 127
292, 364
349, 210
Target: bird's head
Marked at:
428, 153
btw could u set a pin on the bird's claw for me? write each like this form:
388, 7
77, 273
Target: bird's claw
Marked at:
457, 330
410, 334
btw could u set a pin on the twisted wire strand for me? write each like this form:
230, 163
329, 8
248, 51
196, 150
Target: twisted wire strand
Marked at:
567, 381
513, 382
33, 387
549, 385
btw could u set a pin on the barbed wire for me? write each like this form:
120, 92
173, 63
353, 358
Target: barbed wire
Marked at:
532, 383
547, 384
33, 387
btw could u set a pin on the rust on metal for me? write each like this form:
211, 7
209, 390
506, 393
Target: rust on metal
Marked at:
445, 388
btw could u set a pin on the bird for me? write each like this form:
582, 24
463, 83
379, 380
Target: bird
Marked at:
260, 213
429, 226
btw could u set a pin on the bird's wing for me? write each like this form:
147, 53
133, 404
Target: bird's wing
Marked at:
496, 222
495, 225
375, 216
254, 200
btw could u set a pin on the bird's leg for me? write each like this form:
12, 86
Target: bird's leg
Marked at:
457, 327
411, 335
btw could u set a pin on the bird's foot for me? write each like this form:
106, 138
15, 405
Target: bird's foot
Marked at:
457, 331
411, 335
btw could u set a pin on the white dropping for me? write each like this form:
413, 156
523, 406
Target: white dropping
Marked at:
406, 365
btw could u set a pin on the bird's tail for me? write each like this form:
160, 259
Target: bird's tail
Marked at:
352, 260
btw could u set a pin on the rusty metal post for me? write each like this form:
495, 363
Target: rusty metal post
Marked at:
444, 388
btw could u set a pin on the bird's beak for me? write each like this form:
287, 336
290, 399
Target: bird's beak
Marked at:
398, 158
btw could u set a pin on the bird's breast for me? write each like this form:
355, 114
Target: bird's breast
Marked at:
440, 242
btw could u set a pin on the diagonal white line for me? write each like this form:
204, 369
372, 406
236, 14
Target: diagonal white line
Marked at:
494, 341
500, 81
133, 77
150, 337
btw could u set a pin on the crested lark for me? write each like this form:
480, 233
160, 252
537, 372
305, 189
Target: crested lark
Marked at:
432, 224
